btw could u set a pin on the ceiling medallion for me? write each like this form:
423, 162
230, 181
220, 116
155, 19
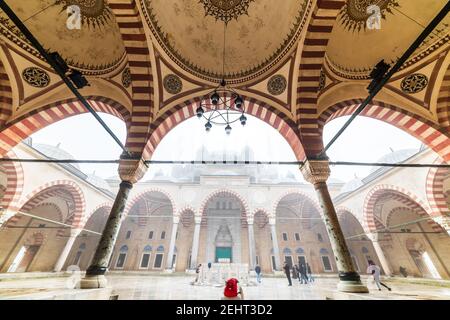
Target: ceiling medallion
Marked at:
354, 16
277, 85
172, 84
414, 83
94, 13
126, 77
36, 77
226, 10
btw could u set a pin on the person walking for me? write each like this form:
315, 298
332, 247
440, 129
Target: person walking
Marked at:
309, 273
287, 271
197, 272
374, 270
302, 274
258, 273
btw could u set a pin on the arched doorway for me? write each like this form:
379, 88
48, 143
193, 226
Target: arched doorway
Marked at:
359, 244
410, 239
50, 211
146, 231
84, 246
224, 232
301, 231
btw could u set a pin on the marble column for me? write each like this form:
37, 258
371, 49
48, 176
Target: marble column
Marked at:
195, 243
173, 238
381, 256
95, 274
67, 248
276, 249
317, 173
251, 244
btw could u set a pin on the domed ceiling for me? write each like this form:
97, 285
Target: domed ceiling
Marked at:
95, 46
259, 33
354, 49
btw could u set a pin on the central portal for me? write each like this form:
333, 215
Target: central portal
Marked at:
224, 254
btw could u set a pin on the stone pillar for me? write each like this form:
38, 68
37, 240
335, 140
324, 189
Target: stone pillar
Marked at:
67, 248
276, 249
195, 243
444, 222
172, 243
383, 261
251, 244
317, 173
95, 274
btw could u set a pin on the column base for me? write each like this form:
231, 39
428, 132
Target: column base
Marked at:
93, 282
352, 286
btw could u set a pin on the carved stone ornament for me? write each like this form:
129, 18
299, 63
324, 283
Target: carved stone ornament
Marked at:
316, 171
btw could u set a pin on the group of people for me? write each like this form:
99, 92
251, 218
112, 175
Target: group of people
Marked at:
301, 271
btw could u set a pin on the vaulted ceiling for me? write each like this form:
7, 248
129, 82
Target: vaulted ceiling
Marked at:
296, 58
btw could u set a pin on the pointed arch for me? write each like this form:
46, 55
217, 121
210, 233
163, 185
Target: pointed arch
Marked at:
426, 131
14, 183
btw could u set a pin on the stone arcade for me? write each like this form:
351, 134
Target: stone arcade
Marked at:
297, 65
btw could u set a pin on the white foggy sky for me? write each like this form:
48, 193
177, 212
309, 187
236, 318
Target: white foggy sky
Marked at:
366, 140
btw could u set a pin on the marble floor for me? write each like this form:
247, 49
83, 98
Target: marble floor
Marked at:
178, 287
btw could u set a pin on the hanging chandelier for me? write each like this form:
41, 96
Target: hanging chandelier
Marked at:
222, 106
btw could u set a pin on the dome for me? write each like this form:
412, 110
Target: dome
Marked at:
98, 182
55, 152
352, 185
395, 157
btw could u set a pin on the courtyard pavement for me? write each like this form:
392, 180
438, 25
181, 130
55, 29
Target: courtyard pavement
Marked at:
178, 287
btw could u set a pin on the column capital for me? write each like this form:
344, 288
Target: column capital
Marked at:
176, 219
316, 171
272, 221
132, 170
250, 220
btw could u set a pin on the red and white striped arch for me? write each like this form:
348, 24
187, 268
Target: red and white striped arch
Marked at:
29, 123
225, 192
436, 196
426, 131
301, 194
104, 208
275, 118
443, 102
5, 96
131, 28
261, 217
54, 189
319, 30
142, 196
401, 195
14, 183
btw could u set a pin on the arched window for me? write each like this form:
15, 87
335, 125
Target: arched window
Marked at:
297, 236
122, 257
299, 251
159, 258
319, 237
128, 236
150, 235
326, 263
163, 235
288, 256
145, 260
